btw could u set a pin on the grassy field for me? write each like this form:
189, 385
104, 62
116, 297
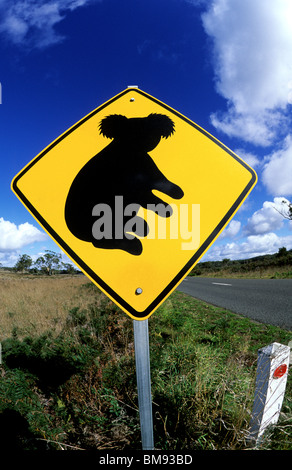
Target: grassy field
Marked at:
68, 371
34, 304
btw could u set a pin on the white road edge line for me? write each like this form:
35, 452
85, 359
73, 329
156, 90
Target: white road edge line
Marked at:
221, 284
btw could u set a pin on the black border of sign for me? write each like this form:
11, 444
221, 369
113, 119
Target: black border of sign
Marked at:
79, 261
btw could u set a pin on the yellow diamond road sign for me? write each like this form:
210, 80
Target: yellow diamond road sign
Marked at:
135, 193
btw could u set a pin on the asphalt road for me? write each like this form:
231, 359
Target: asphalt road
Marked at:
264, 300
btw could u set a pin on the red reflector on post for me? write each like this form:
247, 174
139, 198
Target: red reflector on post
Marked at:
280, 371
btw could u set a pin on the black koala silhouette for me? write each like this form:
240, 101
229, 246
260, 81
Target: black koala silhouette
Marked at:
123, 168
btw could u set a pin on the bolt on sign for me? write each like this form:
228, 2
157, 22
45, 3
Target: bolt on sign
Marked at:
139, 194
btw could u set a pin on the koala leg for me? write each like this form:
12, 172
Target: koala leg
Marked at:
133, 246
133, 227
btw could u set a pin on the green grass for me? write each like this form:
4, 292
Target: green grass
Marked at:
208, 370
76, 389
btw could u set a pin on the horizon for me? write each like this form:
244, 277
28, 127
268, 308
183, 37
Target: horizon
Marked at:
200, 261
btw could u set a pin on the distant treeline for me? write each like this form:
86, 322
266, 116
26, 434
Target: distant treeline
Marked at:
259, 263
49, 263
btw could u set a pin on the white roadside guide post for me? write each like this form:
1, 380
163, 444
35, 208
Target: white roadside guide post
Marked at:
271, 379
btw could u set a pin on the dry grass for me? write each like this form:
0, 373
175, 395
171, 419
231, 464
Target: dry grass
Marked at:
35, 304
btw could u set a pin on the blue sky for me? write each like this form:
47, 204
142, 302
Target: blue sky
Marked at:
225, 64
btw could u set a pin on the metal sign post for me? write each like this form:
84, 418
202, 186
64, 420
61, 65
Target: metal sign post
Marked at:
142, 357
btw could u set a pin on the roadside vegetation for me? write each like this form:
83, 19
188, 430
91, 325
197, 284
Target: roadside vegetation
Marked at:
68, 371
275, 266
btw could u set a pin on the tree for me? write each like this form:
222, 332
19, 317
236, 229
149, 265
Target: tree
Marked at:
282, 252
24, 263
49, 261
69, 268
286, 209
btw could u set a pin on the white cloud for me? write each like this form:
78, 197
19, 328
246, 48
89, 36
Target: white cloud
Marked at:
32, 23
254, 245
257, 237
13, 237
252, 42
248, 157
231, 230
9, 258
259, 128
277, 172
267, 219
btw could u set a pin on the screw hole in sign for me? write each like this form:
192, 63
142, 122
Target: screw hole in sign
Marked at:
280, 371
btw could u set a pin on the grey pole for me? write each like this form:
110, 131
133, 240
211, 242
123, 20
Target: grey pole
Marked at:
142, 357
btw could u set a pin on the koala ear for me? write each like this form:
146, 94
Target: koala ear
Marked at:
162, 124
112, 126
